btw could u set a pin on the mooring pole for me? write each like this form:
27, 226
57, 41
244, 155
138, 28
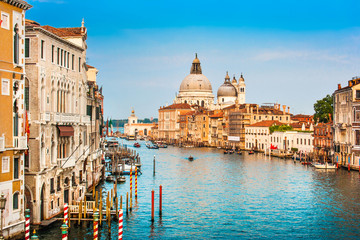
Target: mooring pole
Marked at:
152, 205
27, 224
160, 200
154, 165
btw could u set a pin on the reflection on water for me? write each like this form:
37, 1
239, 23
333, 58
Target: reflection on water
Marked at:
235, 197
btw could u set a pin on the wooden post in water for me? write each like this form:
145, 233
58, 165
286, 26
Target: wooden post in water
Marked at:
96, 200
116, 205
121, 202
154, 166
112, 197
127, 202
160, 200
100, 210
80, 212
152, 205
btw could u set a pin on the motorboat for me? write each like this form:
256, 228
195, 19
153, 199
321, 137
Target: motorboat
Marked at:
324, 166
126, 171
162, 145
121, 179
238, 152
226, 152
154, 146
191, 158
137, 145
251, 152
110, 178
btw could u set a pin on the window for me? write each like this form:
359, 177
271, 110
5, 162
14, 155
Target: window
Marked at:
52, 189
27, 47
52, 53
357, 94
16, 168
89, 111
72, 61
16, 124
5, 20
68, 55
26, 93
58, 56
61, 57
65, 54
16, 44
16, 201
42, 45
5, 164
5, 86
79, 64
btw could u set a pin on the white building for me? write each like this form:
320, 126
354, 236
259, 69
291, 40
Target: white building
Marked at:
257, 135
133, 128
287, 140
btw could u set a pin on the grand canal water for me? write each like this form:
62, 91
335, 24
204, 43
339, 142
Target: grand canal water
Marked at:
235, 197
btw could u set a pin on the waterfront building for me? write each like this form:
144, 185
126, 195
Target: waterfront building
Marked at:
133, 128
244, 115
216, 128
257, 135
95, 110
13, 133
60, 141
293, 141
346, 124
227, 93
169, 121
323, 140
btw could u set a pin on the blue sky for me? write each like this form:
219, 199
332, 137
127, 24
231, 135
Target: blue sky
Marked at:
292, 52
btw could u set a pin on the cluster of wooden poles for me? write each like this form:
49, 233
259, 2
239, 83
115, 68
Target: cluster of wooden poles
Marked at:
84, 209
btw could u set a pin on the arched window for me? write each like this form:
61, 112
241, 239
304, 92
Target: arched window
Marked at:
16, 201
16, 44
202, 103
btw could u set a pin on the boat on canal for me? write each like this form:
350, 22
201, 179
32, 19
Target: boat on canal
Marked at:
110, 178
324, 166
152, 146
191, 158
137, 145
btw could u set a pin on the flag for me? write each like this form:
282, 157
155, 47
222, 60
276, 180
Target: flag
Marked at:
27, 129
272, 147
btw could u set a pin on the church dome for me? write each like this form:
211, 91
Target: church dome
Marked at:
227, 89
195, 81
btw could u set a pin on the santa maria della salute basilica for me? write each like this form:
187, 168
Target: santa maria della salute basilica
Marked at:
196, 89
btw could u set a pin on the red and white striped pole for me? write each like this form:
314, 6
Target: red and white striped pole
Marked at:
64, 231
27, 224
120, 224
96, 224
136, 182
66, 214
130, 180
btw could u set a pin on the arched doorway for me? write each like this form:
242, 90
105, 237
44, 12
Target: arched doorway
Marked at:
42, 203
145, 132
66, 190
28, 201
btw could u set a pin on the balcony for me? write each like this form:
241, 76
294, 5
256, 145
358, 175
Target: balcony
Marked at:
85, 119
2, 144
66, 162
66, 118
20, 143
45, 117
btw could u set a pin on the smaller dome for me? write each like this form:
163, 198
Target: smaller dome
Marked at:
227, 89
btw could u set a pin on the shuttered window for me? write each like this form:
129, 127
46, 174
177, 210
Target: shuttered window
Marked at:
89, 111
27, 47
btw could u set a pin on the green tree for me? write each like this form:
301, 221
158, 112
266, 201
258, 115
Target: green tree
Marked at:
323, 109
280, 128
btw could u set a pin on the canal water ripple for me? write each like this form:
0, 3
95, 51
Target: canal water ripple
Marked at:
220, 196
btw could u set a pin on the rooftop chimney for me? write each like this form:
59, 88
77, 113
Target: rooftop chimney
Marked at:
284, 107
288, 110
339, 86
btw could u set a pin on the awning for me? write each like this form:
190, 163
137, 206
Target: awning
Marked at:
66, 131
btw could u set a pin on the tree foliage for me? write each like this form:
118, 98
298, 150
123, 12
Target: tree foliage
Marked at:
324, 109
280, 128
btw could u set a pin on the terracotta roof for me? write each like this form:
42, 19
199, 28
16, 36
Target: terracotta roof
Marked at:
64, 32
266, 123
89, 66
29, 22
188, 113
217, 115
18, 3
177, 106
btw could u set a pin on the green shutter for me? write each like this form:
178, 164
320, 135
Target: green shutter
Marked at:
89, 111
27, 47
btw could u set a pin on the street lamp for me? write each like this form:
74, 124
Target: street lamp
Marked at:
2, 207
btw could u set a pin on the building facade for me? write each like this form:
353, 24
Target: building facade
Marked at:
60, 140
346, 124
13, 136
133, 128
323, 140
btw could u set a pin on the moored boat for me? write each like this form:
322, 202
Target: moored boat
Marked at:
251, 152
137, 145
110, 178
324, 166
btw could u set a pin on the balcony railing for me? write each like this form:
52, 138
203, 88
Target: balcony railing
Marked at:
67, 118
85, 119
20, 143
66, 162
45, 117
2, 144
